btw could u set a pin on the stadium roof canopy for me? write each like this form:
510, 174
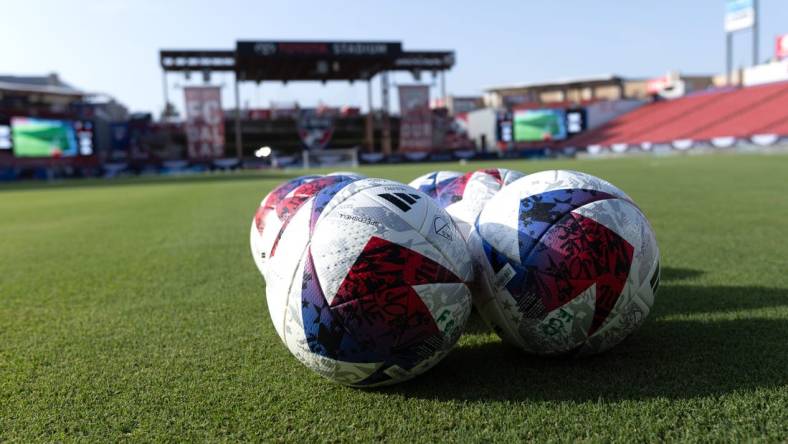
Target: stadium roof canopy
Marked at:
307, 60
560, 83
49, 84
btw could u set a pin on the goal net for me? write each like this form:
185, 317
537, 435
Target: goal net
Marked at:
345, 157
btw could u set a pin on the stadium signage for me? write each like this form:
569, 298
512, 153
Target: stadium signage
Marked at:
424, 60
204, 122
336, 49
265, 48
739, 15
315, 129
415, 132
360, 48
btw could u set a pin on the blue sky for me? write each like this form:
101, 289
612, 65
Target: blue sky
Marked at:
112, 46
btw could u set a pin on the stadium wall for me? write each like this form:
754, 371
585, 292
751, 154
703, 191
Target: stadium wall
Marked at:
482, 126
766, 73
599, 113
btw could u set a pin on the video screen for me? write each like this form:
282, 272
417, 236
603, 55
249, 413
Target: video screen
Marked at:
5, 134
37, 137
539, 125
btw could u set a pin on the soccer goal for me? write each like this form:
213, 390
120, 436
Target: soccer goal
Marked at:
345, 157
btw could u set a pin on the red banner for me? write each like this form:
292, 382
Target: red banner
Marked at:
204, 122
415, 131
781, 48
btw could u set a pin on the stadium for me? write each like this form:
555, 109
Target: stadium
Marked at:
131, 308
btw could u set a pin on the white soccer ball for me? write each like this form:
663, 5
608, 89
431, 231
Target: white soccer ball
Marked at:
566, 263
277, 207
431, 183
464, 196
369, 283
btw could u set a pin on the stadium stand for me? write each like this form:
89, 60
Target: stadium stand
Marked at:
776, 127
757, 110
740, 113
702, 116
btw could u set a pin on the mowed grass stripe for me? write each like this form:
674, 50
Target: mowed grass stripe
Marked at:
132, 309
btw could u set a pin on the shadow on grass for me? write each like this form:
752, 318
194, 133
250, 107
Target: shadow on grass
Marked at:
671, 356
674, 274
146, 180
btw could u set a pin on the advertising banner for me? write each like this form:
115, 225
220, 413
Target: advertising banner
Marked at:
204, 122
739, 14
415, 133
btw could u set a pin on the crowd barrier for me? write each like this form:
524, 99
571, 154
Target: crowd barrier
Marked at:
109, 170
758, 142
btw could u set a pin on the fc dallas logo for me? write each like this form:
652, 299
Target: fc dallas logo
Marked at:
315, 130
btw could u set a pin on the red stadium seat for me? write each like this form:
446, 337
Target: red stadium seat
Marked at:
740, 112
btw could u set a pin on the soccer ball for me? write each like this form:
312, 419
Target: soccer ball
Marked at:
277, 207
566, 263
267, 221
431, 183
465, 196
369, 283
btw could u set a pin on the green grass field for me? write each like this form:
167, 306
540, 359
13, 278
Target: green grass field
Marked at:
131, 310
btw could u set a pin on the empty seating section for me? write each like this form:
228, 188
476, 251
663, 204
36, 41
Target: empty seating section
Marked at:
741, 112
671, 112
779, 126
